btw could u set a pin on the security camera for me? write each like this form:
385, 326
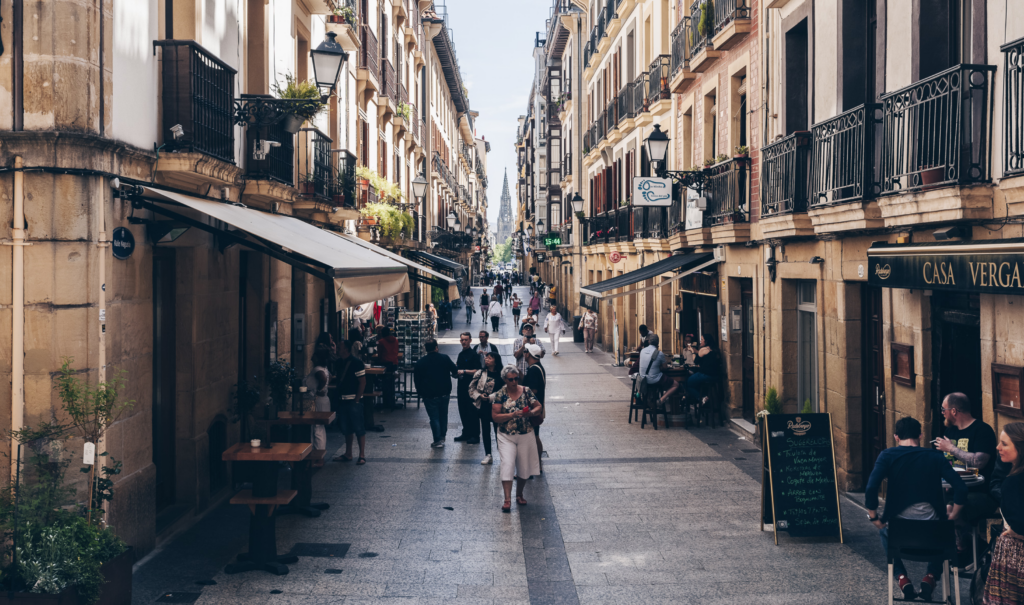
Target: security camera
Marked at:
177, 131
115, 183
261, 148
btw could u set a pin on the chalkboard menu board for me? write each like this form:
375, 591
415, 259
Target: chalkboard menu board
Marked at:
799, 491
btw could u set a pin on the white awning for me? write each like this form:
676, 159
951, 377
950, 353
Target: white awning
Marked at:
433, 277
360, 275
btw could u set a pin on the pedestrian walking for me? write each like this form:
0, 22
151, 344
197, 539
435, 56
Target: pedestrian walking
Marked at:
552, 298
516, 309
485, 302
519, 347
432, 376
467, 363
495, 312
480, 388
316, 388
1005, 585
554, 326
484, 347
432, 314
351, 384
513, 406
535, 304
536, 380
469, 307
496, 294
387, 356
588, 323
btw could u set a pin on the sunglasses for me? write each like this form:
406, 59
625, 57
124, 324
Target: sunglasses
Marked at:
512, 379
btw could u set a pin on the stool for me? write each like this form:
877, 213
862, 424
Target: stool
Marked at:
926, 542
635, 406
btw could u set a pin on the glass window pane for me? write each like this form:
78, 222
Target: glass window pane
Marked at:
807, 360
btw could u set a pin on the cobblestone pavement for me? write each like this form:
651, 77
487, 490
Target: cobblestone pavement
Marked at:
621, 515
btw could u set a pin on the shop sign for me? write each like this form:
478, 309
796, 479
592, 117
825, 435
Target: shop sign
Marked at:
652, 191
122, 243
996, 268
615, 257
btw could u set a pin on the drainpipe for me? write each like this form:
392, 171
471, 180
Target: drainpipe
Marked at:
17, 244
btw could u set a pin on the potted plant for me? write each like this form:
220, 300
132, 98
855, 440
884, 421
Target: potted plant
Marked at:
308, 185
280, 377
581, 215
708, 163
342, 14
706, 24
742, 152
404, 111
721, 158
306, 91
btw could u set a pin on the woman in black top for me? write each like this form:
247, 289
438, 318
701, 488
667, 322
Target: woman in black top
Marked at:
485, 382
1005, 584
708, 362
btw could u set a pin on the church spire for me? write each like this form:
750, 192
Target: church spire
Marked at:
505, 217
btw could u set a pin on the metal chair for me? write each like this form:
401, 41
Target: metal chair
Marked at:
925, 542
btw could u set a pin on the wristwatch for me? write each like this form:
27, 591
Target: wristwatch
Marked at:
872, 519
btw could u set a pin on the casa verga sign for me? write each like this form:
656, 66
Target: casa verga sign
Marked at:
979, 266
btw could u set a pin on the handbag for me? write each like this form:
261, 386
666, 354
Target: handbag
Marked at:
476, 389
643, 387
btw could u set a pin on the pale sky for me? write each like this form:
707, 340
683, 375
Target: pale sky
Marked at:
494, 43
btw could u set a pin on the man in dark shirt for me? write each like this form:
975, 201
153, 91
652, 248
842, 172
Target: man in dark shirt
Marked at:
484, 347
467, 363
387, 355
915, 491
351, 384
967, 441
536, 380
432, 376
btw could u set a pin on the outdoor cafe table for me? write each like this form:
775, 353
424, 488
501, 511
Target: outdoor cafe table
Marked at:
262, 500
302, 471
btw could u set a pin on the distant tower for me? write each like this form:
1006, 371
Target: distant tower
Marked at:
505, 218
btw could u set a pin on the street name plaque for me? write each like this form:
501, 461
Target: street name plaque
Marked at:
799, 491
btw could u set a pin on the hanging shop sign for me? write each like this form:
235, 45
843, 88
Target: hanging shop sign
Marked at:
122, 243
799, 492
615, 257
652, 191
995, 267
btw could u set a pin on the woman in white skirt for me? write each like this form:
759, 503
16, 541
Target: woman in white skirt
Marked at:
513, 406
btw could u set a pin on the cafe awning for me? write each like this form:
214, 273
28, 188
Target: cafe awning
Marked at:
993, 266
684, 264
417, 272
438, 262
360, 275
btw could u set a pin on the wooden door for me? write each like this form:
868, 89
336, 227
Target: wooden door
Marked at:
747, 295
164, 373
874, 377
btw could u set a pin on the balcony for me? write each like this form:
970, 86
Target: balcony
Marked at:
703, 52
198, 93
612, 121
784, 184
728, 201
610, 227
279, 164
732, 23
649, 223
658, 87
369, 59
389, 94
316, 172
641, 92
345, 29
936, 135
1012, 183
627, 111
679, 67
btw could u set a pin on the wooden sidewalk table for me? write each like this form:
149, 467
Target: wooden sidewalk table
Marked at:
374, 371
262, 500
302, 471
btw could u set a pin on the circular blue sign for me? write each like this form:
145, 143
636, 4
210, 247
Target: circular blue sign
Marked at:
122, 243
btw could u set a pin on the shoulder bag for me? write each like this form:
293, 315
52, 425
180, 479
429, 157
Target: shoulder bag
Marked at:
642, 386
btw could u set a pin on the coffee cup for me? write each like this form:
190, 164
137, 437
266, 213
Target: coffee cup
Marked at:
254, 442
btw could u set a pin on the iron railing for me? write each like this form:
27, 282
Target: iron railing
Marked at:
316, 175
937, 131
1013, 107
586, 141
279, 163
784, 175
676, 216
369, 53
842, 169
703, 29
567, 164
343, 186
626, 102
681, 40
198, 94
659, 76
612, 115
640, 91
388, 81
727, 11
639, 213
727, 193
602, 125
623, 220
649, 222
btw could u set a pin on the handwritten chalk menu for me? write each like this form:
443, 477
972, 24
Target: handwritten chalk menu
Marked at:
799, 491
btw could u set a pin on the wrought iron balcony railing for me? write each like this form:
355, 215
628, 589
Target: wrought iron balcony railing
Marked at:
682, 38
727, 191
640, 94
343, 186
937, 131
369, 52
727, 11
842, 169
388, 81
626, 101
316, 174
649, 223
784, 175
279, 163
676, 217
198, 94
659, 76
612, 115
703, 29
1013, 107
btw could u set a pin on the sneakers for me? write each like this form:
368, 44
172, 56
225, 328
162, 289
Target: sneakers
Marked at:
927, 586
907, 587
460, 438
437, 445
487, 460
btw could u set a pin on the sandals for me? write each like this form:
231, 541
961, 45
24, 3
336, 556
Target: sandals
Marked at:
521, 501
507, 507
342, 458
362, 461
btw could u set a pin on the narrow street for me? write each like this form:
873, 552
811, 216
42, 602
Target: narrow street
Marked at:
621, 515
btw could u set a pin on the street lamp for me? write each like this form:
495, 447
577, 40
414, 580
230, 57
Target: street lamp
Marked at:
657, 151
419, 186
458, 224
657, 145
327, 61
540, 226
529, 230
451, 219
577, 203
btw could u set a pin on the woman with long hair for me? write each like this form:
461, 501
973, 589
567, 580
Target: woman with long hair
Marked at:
483, 384
513, 407
1005, 585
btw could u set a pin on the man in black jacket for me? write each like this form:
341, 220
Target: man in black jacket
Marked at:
467, 363
432, 376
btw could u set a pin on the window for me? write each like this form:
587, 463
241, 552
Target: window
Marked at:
807, 344
797, 90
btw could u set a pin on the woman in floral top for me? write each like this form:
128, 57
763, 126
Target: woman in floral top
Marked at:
480, 388
588, 323
513, 406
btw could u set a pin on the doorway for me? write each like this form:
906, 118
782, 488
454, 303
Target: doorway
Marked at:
874, 377
747, 299
164, 373
956, 351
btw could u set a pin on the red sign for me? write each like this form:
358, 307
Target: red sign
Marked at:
615, 257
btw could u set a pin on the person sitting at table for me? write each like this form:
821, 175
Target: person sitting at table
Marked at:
1005, 585
915, 492
316, 390
708, 364
640, 347
652, 364
351, 384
